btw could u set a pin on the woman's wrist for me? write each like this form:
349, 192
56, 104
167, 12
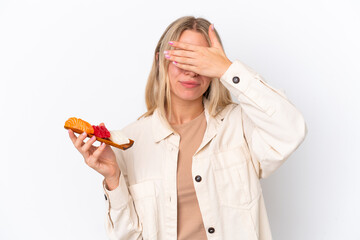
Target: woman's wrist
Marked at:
225, 67
112, 182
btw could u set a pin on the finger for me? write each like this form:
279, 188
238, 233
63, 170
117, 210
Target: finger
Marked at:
186, 67
180, 53
88, 144
99, 150
185, 46
96, 154
80, 140
213, 38
72, 136
184, 60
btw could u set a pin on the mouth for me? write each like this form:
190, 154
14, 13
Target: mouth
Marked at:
189, 84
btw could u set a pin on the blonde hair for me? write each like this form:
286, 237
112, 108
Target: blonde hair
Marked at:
157, 92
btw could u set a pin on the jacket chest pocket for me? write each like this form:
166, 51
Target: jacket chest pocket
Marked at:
144, 195
236, 181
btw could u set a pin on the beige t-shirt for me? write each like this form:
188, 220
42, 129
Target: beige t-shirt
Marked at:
190, 223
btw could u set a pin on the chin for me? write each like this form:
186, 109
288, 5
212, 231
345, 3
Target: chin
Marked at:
188, 97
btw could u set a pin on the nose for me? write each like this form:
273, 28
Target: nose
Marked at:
191, 74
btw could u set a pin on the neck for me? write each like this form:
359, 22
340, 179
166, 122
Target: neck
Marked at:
183, 111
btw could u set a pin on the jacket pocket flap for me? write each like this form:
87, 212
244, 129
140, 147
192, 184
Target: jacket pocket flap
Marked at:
230, 158
142, 190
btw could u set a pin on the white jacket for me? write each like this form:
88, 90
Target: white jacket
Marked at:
243, 143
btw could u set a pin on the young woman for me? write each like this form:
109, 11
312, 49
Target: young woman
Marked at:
194, 170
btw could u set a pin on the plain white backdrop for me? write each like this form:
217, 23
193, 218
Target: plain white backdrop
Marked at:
91, 59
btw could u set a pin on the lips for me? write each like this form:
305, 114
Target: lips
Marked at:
190, 84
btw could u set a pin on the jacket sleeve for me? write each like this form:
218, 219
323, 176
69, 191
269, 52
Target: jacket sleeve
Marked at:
121, 221
273, 127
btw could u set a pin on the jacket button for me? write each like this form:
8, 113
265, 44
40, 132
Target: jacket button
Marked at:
236, 79
105, 196
211, 230
198, 178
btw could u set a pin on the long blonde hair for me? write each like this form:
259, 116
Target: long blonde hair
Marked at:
157, 92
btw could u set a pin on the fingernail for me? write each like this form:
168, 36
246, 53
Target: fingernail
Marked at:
84, 133
166, 52
212, 26
167, 56
174, 62
93, 137
171, 43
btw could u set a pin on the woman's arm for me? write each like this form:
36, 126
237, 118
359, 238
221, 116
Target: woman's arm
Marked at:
121, 218
121, 221
272, 125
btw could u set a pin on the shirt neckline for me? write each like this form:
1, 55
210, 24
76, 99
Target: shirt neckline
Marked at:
189, 122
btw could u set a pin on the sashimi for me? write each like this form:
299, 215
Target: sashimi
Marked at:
79, 124
113, 138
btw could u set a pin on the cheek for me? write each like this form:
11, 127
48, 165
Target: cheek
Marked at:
207, 82
173, 71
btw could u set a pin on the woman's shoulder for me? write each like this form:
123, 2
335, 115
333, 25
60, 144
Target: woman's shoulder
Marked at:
138, 125
230, 109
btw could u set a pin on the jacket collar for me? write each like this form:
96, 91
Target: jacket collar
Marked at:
213, 124
160, 127
162, 130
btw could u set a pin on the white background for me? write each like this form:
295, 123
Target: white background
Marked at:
91, 59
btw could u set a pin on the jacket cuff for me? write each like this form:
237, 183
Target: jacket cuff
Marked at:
238, 77
241, 80
119, 197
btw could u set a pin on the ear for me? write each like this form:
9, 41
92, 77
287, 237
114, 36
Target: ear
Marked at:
157, 56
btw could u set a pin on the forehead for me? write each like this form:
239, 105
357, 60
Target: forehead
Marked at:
194, 38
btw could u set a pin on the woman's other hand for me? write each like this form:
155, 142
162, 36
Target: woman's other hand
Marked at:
102, 159
205, 61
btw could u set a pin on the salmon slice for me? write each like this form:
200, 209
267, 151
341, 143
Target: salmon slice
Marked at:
79, 124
